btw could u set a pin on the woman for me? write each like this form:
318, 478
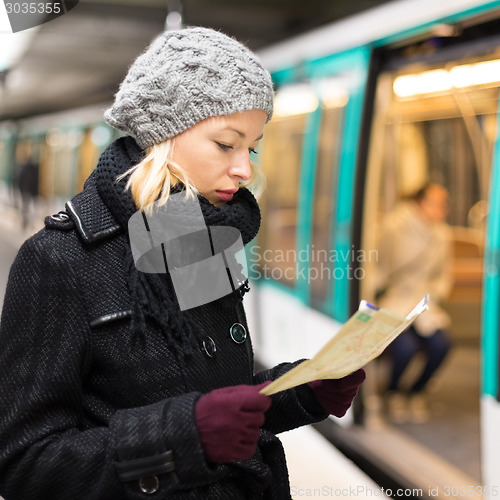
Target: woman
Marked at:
110, 390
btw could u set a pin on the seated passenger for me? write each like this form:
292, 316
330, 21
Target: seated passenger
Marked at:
414, 259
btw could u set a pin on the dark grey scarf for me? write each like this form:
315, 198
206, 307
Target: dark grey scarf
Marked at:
152, 294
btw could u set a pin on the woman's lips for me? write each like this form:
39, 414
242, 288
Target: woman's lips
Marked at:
226, 195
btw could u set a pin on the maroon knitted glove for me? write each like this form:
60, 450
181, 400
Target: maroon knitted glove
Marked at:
336, 396
229, 421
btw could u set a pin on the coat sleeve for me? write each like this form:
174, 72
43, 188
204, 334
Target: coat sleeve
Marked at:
48, 449
292, 408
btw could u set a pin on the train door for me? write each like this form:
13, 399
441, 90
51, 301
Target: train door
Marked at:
435, 120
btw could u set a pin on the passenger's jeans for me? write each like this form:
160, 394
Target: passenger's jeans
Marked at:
406, 346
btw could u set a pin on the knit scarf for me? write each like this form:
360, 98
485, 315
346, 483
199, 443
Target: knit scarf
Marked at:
153, 294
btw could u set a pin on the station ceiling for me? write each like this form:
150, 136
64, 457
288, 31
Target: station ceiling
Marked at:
79, 58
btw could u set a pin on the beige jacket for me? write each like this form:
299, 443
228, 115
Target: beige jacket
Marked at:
414, 258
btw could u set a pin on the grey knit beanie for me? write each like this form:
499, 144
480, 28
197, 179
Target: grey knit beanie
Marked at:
184, 77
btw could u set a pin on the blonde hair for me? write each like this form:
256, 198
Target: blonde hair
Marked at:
151, 180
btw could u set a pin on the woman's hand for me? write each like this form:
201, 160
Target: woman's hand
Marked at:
229, 421
336, 396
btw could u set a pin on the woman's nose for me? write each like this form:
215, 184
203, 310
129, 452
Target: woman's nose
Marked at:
241, 167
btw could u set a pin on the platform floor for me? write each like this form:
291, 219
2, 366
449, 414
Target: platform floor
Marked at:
318, 469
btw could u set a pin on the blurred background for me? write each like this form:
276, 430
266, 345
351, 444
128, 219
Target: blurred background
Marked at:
374, 99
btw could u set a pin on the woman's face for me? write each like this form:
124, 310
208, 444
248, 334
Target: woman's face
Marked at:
215, 153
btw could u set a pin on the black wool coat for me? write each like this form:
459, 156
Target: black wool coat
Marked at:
89, 409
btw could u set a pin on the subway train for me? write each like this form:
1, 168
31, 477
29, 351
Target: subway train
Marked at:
367, 110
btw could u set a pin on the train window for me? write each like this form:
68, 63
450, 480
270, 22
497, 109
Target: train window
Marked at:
324, 206
3, 163
7, 147
93, 142
281, 156
60, 165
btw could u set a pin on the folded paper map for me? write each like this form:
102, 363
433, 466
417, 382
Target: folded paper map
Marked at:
362, 338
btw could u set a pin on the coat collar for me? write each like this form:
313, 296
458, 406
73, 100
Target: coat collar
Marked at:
92, 219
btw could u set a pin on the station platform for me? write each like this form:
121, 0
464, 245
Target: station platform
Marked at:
318, 470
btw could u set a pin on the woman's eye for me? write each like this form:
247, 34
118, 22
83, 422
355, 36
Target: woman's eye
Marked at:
252, 151
224, 147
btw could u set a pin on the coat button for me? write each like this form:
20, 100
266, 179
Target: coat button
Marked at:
208, 347
149, 484
238, 333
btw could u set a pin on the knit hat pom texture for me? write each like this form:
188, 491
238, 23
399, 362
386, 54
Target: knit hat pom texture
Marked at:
184, 77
